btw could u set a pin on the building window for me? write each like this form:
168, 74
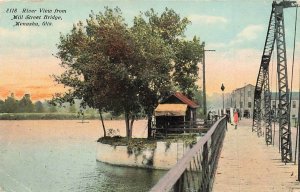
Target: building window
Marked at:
249, 93
294, 104
249, 104
241, 104
273, 104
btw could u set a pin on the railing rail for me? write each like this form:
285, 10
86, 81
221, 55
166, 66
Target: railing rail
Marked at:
196, 169
178, 127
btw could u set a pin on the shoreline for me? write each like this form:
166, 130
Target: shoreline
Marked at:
53, 116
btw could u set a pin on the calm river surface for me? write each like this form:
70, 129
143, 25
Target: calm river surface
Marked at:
60, 156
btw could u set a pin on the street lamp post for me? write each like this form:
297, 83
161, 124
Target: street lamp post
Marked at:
203, 78
223, 88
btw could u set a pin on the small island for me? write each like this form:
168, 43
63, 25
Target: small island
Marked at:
145, 70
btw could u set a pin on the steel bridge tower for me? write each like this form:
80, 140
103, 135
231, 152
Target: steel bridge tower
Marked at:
276, 34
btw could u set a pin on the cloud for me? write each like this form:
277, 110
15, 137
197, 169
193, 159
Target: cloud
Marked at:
216, 45
207, 19
249, 33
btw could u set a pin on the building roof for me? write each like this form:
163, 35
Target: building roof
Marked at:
295, 95
171, 110
248, 85
186, 100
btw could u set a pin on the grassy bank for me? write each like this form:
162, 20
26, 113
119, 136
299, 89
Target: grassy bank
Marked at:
44, 116
142, 143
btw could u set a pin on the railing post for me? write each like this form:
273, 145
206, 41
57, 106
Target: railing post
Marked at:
183, 176
178, 187
205, 168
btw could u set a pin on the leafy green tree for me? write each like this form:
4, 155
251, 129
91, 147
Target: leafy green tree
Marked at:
10, 104
38, 107
188, 53
112, 67
91, 112
25, 104
72, 108
198, 97
1, 106
121, 69
52, 109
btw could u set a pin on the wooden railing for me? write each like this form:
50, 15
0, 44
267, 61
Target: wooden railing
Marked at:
179, 127
196, 169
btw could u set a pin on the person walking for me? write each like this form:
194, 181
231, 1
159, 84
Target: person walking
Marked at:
235, 119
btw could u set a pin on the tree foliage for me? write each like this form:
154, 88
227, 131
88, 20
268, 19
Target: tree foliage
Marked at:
187, 53
25, 104
10, 104
126, 70
38, 107
72, 109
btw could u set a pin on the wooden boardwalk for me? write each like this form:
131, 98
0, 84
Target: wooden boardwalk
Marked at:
247, 164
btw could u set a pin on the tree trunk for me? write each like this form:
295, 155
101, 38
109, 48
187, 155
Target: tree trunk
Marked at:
103, 126
127, 125
149, 125
131, 125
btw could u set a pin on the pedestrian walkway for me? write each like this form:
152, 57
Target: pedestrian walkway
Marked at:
247, 164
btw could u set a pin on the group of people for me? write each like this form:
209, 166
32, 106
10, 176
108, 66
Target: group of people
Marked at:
236, 117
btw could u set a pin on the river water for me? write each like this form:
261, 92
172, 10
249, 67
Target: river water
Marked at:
60, 156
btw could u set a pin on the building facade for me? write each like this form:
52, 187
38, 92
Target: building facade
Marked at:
294, 105
243, 100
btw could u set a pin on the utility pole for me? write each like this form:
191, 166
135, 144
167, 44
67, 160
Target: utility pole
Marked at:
203, 78
223, 88
298, 137
244, 107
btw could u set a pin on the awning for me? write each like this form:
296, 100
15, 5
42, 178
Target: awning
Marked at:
171, 110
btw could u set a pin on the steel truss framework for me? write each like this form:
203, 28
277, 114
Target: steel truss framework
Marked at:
262, 90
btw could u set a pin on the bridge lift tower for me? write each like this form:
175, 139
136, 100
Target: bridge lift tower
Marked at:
262, 95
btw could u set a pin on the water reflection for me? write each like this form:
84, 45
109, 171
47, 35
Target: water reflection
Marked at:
114, 178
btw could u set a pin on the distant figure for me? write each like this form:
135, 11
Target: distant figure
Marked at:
228, 117
209, 116
235, 119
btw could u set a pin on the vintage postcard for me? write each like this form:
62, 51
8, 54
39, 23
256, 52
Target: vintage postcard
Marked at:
149, 95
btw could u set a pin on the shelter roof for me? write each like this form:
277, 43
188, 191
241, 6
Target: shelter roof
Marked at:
171, 110
186, 100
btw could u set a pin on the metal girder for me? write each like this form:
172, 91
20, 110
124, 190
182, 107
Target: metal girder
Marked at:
275, 33
267, 112
262, 85
284, 117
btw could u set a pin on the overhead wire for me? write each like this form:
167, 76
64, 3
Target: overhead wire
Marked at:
293, 63
298, 122
273, 107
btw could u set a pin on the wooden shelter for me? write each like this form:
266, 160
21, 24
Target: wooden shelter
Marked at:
177, 111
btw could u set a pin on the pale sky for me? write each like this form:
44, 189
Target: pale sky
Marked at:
235, 29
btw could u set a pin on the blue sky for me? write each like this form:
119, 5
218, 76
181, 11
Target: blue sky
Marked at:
235, 29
